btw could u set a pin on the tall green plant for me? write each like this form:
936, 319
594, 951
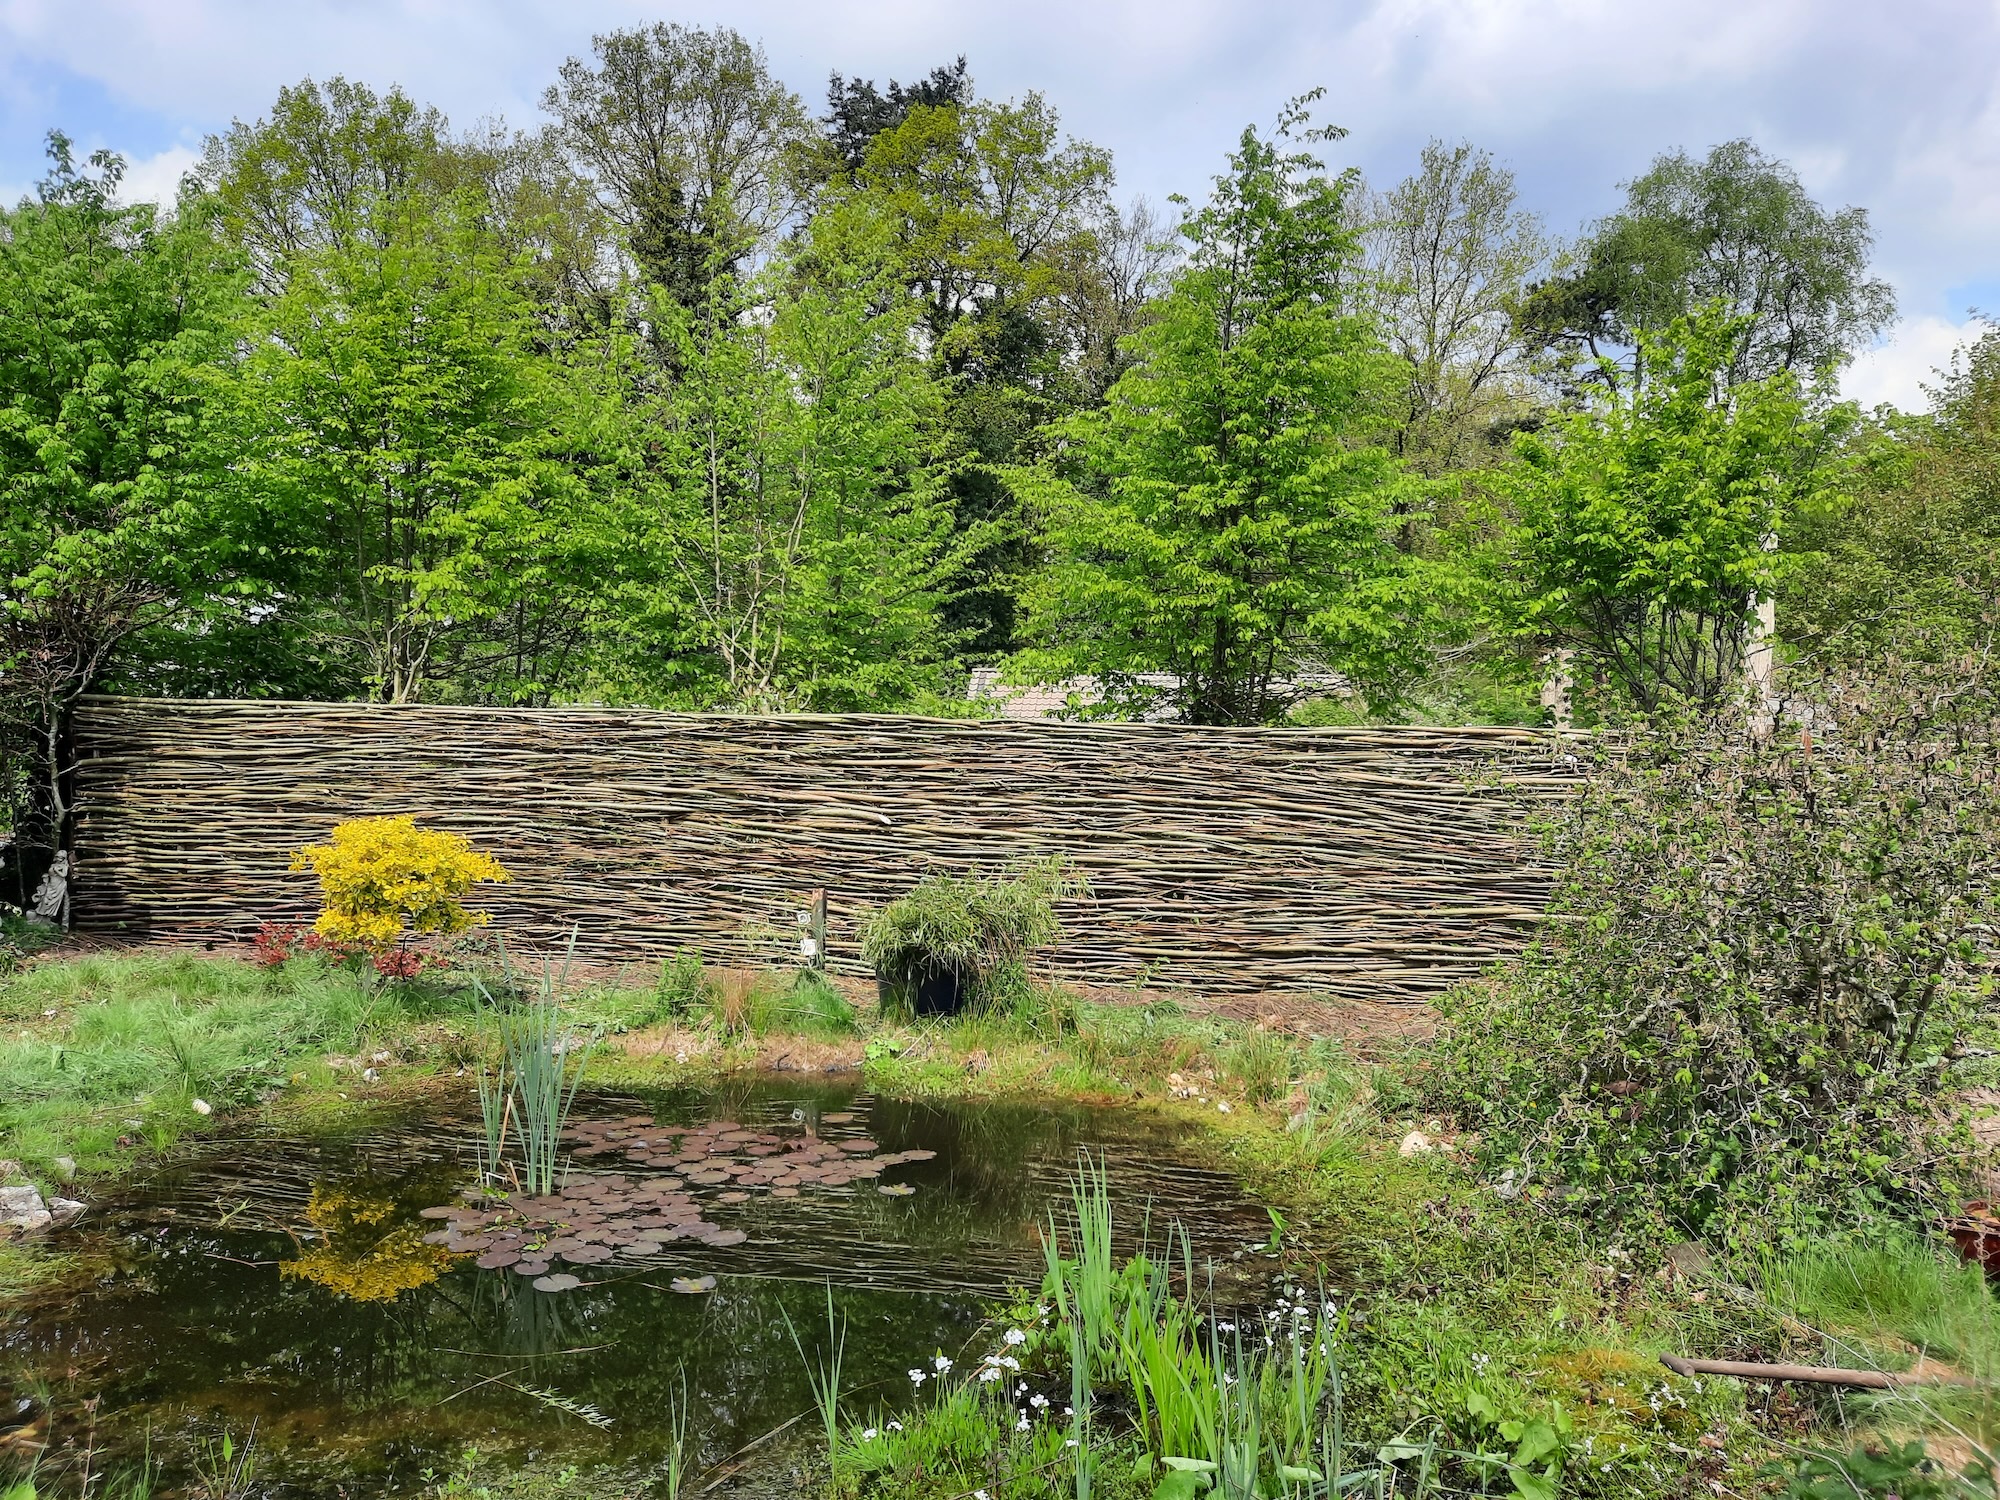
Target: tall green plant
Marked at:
1226, 517
534, 1084
979, 927
1773, 948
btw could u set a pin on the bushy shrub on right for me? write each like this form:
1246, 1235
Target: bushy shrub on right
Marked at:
1771, 952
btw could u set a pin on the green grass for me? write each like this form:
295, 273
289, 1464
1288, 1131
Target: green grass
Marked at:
1880, 1297
102, 1056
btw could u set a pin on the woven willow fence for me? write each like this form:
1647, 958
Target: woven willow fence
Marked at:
1370, 865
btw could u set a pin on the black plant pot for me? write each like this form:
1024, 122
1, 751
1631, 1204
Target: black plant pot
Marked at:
923, 991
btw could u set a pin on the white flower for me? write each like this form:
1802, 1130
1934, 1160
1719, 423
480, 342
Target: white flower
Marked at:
942, 1364
1069, 1442
979, 1495
1015, 1336
869, 1434
988, 1375
1038, 1401
1225, 1328
895, 1426
1009, 1361
1020, 1421
917, 1377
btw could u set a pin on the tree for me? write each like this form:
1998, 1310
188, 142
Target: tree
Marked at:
1773, 961
1913, 561
310, 175
997, 219
1226, 517
857, 112
697, 151
1454, 254
792, 545
1643, 525
114, 324
421, 450
1736, 227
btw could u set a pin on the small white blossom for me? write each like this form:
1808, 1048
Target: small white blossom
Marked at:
1038, 1400
1020, 1421
942, 1364
988, 1375
869, 1434
1009, 1361
1015, 1336
895, 1426
917, 1377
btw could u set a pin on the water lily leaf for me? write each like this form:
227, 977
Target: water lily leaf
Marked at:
562, 1281
1181, 1485
693, 1284
895, 1190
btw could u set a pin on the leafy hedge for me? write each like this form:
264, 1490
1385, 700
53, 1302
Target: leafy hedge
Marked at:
1771, 950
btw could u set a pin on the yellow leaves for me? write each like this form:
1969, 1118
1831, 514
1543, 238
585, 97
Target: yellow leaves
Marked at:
361, 1254
382, 879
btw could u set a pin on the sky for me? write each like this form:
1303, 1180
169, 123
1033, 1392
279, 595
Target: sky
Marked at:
1894, 108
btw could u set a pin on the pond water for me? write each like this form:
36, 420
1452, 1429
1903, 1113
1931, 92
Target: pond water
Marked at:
345, 1297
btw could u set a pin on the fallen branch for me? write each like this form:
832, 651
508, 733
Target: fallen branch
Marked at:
1868, 1380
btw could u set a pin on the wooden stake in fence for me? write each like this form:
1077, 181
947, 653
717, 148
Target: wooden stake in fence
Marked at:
812, 932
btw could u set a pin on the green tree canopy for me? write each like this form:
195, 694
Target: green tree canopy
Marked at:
787, 541
1642, 526
697, 151
1914, 561
1228, 517
115, 323
1736, 227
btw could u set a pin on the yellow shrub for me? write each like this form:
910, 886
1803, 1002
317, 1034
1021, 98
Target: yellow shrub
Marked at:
361, 1254
383, 878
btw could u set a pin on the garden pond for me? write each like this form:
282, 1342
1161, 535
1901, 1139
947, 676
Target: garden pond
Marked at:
351, 1300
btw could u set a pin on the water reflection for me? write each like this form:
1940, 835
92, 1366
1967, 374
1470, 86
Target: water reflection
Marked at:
286, 1281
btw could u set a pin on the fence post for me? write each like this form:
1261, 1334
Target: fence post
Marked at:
812, 936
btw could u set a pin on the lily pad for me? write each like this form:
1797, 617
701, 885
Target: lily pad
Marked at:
693, 1284
894, 1189
562, 1281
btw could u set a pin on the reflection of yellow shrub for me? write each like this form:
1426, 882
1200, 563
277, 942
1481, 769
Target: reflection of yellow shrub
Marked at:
383, 878
359, 1258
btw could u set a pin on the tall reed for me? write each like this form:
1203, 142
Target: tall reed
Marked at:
533, 1086
823, 1373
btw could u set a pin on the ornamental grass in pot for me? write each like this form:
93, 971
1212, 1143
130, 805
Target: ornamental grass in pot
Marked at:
959, 942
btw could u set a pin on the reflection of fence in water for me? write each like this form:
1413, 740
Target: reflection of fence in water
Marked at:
972, 1226
1377, 865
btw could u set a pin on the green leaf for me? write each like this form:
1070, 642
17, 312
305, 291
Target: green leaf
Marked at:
1180, 1486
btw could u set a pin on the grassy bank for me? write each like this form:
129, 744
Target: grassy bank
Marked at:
1462, 1317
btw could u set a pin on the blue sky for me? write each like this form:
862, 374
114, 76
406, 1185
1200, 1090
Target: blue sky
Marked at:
1895, 108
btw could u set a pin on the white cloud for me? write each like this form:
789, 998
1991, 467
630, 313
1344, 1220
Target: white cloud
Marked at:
1897, 370
1895, 109
157, 178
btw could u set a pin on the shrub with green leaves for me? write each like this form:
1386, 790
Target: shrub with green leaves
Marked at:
1770, 948
980, 927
